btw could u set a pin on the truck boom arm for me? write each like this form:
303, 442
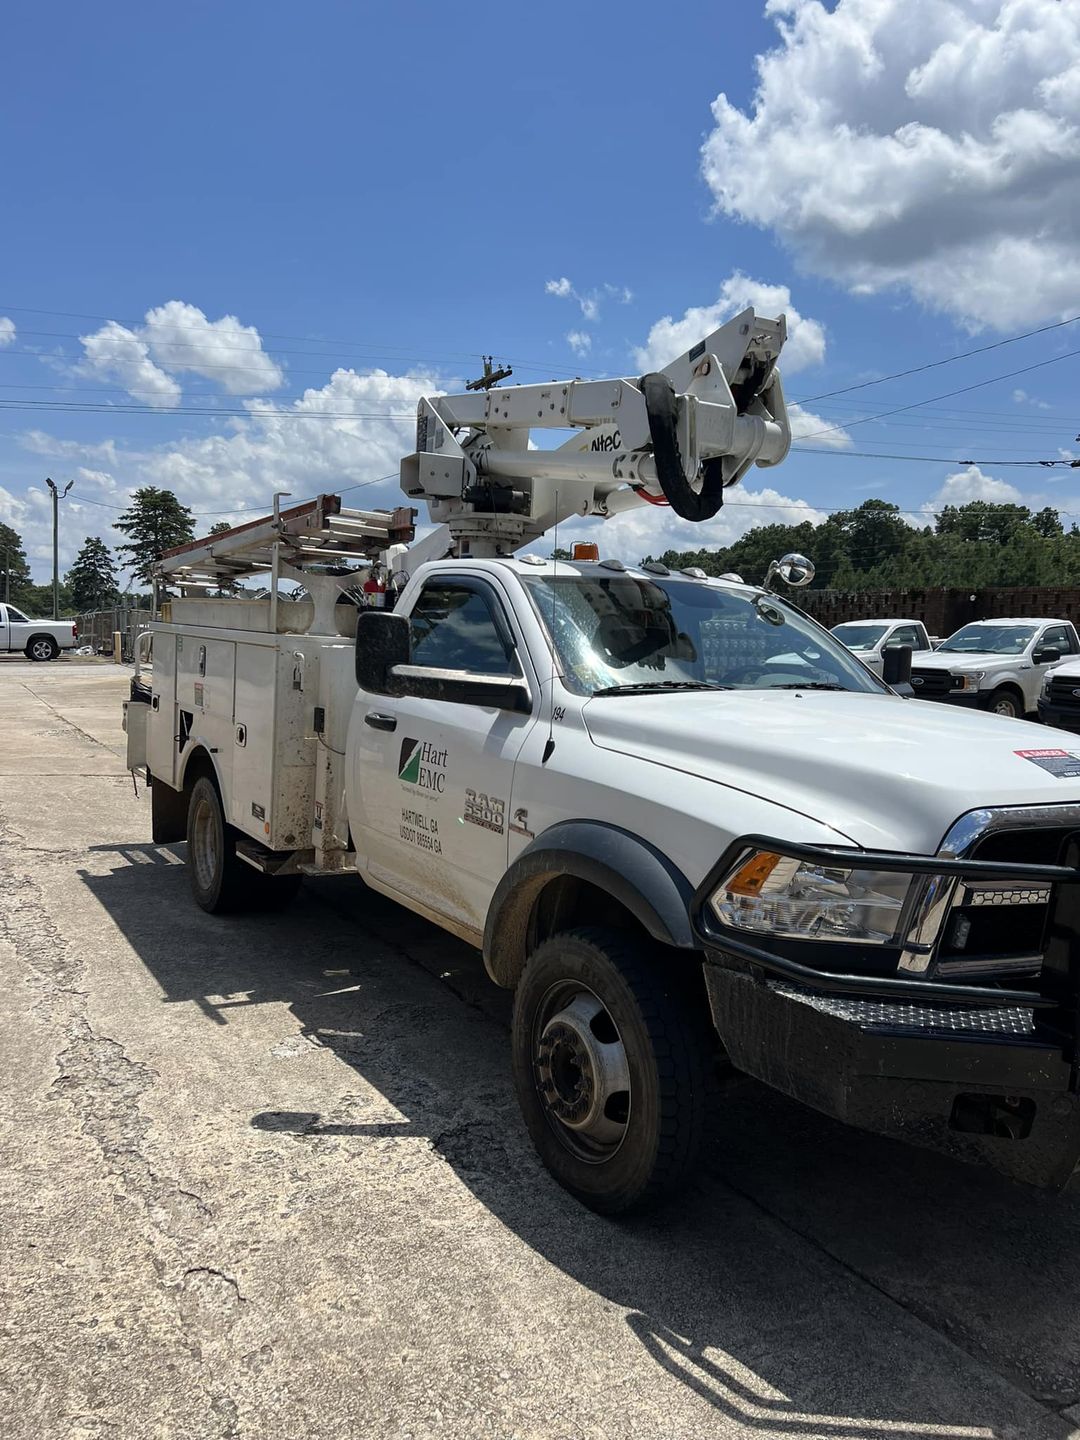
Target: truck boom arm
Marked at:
678, 437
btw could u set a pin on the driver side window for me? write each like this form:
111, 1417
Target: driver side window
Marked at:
453, 627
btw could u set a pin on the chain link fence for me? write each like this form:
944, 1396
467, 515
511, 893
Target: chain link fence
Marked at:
98, 629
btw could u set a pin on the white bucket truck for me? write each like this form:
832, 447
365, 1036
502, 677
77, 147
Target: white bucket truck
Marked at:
689, 829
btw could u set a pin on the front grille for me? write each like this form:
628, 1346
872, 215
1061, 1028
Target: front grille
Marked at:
992, 922
929, 684
1065, 693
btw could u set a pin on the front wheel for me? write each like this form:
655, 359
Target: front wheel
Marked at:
42, 647
612, 1065
1006, 702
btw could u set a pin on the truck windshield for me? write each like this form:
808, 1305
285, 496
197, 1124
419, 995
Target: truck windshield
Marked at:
859, 637
989, 640
621, 632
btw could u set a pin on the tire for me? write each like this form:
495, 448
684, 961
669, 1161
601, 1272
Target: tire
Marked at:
42, 647
1004, 701
613, 1067
218, 881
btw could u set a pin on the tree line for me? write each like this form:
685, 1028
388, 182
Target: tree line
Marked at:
154, 521
872, 547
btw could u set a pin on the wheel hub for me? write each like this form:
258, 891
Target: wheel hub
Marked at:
582, 1073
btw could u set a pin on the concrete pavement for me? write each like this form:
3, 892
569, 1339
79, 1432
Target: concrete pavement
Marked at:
265, 1177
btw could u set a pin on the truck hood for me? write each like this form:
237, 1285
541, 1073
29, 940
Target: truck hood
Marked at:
888, 773
975, 660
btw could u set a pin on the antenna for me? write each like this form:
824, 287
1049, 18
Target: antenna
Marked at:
490, 377
549, 744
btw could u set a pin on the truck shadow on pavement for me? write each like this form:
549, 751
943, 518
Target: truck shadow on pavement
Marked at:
754, 1291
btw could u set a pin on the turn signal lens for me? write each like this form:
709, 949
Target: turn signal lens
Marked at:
750, 877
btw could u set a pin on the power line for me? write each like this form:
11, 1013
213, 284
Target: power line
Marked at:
927, 459
964, 390
949, 360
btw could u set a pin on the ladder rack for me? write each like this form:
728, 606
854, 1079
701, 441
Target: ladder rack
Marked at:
311, 536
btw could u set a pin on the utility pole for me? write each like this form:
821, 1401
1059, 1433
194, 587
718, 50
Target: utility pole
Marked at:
57, 496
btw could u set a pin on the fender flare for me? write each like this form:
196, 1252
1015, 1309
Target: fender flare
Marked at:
636, 874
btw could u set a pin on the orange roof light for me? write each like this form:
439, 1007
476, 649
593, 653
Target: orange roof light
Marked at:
585, 550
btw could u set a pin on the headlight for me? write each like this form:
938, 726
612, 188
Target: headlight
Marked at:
970, 681
804, 900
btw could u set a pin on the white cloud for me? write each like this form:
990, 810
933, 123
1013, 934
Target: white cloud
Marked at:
580, 341
669, 338
7, 331
177, 338
972, 484
181, 338
651, 529
588, 301
810, 429
927, 144
1021, 397
116, 353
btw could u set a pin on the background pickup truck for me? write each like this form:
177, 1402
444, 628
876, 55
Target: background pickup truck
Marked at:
37, 639
869, 639
996, 665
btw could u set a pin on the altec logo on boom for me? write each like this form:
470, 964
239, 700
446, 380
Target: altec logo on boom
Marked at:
421, 764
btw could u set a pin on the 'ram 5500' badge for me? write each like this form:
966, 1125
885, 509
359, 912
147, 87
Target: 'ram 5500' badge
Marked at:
422, 765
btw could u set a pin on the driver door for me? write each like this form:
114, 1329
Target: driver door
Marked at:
434, 776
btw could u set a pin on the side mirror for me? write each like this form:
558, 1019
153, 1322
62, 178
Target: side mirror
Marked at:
896, 667
382, 641
794, 570
1049, 656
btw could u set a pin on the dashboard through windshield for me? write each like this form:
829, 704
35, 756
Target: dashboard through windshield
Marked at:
623, 633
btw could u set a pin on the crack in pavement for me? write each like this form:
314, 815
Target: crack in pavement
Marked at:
105, 1089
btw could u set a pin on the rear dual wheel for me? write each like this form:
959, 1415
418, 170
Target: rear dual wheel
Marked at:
614, 1066
220, 881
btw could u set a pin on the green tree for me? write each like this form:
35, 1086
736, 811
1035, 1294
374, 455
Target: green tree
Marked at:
153, 523
220, 528
92, 577
14, 566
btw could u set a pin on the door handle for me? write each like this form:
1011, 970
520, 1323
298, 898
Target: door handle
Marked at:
380, 722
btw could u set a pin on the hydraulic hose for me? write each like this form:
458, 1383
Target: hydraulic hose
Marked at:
662, 411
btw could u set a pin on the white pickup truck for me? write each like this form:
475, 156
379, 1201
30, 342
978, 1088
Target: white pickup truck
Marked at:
37, 639
688, 829
996, 665
870, 639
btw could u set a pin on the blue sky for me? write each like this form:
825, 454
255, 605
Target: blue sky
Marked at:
393, 189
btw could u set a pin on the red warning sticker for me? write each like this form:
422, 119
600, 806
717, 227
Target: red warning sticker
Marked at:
1065, 764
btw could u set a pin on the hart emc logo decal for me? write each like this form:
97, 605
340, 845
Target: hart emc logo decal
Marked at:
422, 765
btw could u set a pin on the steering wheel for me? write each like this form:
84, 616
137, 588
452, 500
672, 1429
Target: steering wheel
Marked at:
746, 676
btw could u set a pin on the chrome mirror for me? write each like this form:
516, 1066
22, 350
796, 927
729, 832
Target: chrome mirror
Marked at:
794, 570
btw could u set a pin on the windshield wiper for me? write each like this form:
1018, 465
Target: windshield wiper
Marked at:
645, 687
807, 685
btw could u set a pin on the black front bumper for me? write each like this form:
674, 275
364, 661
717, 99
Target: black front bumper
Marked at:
974, 1084
982, 1074
1060, 717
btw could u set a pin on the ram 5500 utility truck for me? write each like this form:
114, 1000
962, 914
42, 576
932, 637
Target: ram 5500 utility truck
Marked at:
681, 821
